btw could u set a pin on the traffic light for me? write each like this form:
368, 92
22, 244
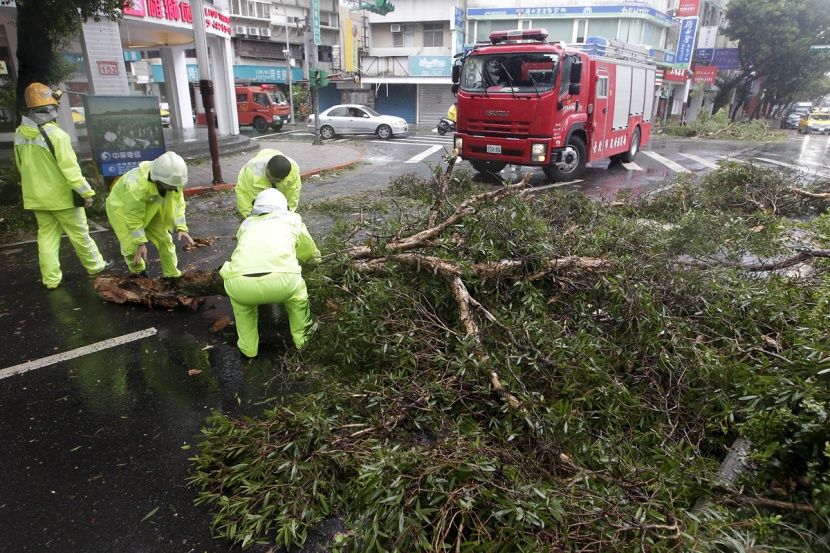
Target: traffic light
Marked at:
378, 6
318, 78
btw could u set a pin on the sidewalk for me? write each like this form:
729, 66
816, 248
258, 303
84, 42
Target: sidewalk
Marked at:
311, 158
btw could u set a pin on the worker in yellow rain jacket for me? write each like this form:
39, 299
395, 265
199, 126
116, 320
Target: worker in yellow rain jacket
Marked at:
268, 169
265, 269
452, 113
148, 202
49, 173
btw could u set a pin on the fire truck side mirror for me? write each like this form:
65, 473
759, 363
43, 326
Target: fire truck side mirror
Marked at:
456, 73
576, 72
573, 89
454, 89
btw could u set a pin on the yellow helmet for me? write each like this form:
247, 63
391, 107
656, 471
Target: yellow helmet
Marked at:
38, 94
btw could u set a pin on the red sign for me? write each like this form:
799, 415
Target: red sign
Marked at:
172, 10
108, 67
676, 75
134, 7
688, 8
705, 75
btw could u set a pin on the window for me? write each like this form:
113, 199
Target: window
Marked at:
251, 8
260, 98
525, 24
602, 86
580, 30
433, 34
406, 36
339, 112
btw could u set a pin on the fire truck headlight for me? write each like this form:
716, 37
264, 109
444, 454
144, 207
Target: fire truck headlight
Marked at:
458, 146
538, 152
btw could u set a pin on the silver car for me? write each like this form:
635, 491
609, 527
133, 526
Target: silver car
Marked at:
357, 119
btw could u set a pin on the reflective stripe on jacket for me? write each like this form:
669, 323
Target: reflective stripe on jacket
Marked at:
137, 201
47, 180
252, 180
270, 243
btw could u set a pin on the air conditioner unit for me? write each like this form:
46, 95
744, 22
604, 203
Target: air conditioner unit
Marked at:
265, 33
241, 30
253, 31
396, 27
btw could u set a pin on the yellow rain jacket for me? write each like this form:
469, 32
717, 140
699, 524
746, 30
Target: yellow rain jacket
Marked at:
136, 202
48, 180
252, 180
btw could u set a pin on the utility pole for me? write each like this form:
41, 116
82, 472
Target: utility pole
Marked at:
288, 76
206, 86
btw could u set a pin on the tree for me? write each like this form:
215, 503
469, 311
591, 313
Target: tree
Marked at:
44, 28
774, 39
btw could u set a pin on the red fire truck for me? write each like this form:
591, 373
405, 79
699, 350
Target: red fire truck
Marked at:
527, 102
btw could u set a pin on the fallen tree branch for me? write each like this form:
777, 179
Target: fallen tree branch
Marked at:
800, 257
422, 238
187, 291
816, 195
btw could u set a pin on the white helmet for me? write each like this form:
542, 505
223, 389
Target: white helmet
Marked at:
169, 169
269, 200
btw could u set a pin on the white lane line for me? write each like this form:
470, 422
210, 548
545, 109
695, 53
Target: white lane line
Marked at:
666, 161
425, 142
632, 166
798, 168
92, 224
78, 352
424, 154
702, 161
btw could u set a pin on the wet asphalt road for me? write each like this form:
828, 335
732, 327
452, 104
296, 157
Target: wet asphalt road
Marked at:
95, 448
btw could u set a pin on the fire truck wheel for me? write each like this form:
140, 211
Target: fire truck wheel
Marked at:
327, 132
276, 127
572, 164
634, 147
260, 124
487, 166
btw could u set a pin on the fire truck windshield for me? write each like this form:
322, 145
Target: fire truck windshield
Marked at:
277, 97
509, 73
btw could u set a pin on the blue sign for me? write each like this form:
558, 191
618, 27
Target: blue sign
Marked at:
569, 11
668, 58
459, 18
430, 66
132, 55
123, 131
686, 44
157, 72
726, 58
704, 54
266, 74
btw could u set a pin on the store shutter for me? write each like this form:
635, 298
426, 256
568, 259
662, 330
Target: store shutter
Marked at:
433, 102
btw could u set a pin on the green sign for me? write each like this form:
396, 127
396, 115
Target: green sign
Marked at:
381, 7
315, 19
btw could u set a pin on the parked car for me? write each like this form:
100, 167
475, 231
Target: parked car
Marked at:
357, 119
815, 122
164, 110
793, 117
78, 116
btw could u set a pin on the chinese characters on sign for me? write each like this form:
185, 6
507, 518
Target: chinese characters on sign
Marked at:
688, 8
686, 44
172, 10
706, 75
217, 22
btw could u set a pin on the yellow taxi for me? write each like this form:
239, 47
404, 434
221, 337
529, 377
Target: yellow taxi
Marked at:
815, 122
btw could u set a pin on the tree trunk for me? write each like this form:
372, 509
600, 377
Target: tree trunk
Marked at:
35, 54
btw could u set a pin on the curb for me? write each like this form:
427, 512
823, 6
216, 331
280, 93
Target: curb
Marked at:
199, 190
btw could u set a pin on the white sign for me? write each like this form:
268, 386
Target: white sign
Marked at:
707, 37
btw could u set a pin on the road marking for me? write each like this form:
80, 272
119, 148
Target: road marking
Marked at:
78, 352
424, 154
92, 224
702, 161
632, 166
666, 161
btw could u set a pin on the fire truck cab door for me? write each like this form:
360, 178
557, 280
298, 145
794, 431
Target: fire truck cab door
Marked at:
600, 115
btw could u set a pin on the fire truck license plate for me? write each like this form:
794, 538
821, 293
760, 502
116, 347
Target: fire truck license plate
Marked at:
491, 149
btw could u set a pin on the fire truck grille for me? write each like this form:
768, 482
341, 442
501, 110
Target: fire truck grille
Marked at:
513, 129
